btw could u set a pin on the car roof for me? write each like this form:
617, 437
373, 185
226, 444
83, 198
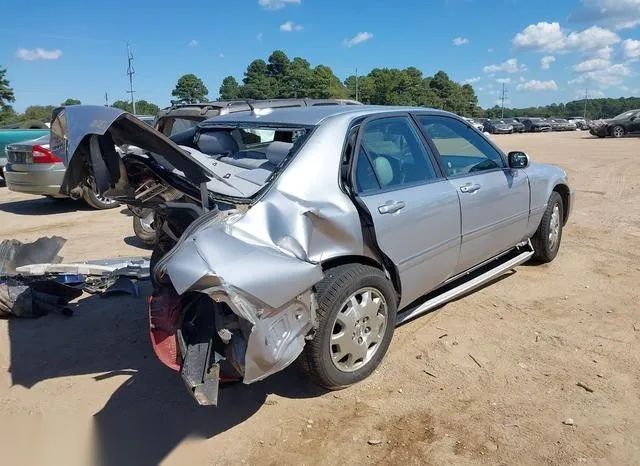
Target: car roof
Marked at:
311, 116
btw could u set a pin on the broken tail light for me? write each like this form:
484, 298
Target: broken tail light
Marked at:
42, 154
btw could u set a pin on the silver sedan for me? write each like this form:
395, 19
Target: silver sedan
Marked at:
308, 234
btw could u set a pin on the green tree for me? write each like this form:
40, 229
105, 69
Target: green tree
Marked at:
71, 102
296, 81
7, 115
6, 92
257, 83
325, 85
142, 107
229, 88
190, 88
38, 112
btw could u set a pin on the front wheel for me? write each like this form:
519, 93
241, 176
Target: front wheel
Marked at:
617, 131
143, 227
356, 319
546, 241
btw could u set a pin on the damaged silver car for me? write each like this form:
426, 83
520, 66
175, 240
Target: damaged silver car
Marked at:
309, 234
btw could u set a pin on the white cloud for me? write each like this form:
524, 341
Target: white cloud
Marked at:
290, 26
535, 85
624, 88
193, 43
481, 89
522, 79
509, 66
604, 52
38, 54
259, 36
549, 37
489, 50
545, 62
611, 76
475, 79
631, 48
460, 41
358, 39
592, 64
222, 55
503, 80
619, 14
277, 4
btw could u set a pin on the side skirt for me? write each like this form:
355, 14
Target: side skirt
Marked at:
466, 284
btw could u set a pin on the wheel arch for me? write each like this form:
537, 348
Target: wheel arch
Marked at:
564, 192
364, 260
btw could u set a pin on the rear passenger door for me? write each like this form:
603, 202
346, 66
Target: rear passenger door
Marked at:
415, 210
494, 199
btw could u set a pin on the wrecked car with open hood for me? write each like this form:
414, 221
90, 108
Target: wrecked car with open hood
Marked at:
310, 233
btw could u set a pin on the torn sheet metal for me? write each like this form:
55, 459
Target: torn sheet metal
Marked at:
15, 254
137, 267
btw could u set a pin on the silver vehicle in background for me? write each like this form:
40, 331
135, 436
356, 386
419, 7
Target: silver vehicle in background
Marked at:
309, 234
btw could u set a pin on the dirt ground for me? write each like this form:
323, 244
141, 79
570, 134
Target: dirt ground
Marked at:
490, 378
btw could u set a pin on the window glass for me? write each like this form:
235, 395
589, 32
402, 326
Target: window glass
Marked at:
366, 180
462, 150
181, 125
396, 155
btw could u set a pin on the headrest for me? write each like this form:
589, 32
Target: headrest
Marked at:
217, 142
277, 151
383, 170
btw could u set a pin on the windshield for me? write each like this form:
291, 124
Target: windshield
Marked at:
625, 115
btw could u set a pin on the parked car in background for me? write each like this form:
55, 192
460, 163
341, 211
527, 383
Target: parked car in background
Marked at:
618, 126
475, 123
32, 169
498, 127
517, 126
294, 245
560, 124
536, 125
580, 122
174, 120
19, 132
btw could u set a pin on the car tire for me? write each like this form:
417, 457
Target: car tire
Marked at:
546, 241
144, 230
97, 201
617, 131
340, 297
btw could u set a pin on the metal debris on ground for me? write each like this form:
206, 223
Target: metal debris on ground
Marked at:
14, 253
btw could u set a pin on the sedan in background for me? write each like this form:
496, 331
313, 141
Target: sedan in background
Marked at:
476, 124
536, 125
562, 124
581, 123
517, 126
498, 127
32, 169
625, 123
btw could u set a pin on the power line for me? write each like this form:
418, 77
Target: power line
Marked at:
131, 72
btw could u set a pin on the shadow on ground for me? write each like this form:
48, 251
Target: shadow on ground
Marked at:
151, 413
43, 206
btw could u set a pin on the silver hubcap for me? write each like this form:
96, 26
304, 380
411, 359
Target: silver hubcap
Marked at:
358, 329
618, 132
554, 227
147, 220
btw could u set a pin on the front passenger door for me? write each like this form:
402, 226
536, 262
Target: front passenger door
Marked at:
494, 199
415, 211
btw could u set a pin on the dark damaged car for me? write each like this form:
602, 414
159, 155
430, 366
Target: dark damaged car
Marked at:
308, 234
618, 126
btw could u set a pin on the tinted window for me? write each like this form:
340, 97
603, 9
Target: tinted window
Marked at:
182, 124
462, 149
394, 153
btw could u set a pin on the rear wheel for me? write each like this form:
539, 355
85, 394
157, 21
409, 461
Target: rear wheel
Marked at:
356, 319
546, 241
617, 131
97, 201
143, 227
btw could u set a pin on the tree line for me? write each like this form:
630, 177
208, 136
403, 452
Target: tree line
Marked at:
282, 77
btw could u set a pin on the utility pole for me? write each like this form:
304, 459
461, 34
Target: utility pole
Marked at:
357, 96
106, 99
586, 96
131, 72
504, 94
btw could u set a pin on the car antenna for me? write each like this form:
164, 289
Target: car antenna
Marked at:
250, 106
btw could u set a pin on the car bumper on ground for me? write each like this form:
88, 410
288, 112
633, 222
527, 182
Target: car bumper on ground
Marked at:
33, 179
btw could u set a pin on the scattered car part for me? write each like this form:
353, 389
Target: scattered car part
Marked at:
15, 254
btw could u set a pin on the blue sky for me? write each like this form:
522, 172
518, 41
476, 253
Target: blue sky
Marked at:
545, 51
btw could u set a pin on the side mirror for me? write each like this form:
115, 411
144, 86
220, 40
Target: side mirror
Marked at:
518, 159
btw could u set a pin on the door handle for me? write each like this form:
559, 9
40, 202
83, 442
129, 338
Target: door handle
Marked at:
391, 207
470, 188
